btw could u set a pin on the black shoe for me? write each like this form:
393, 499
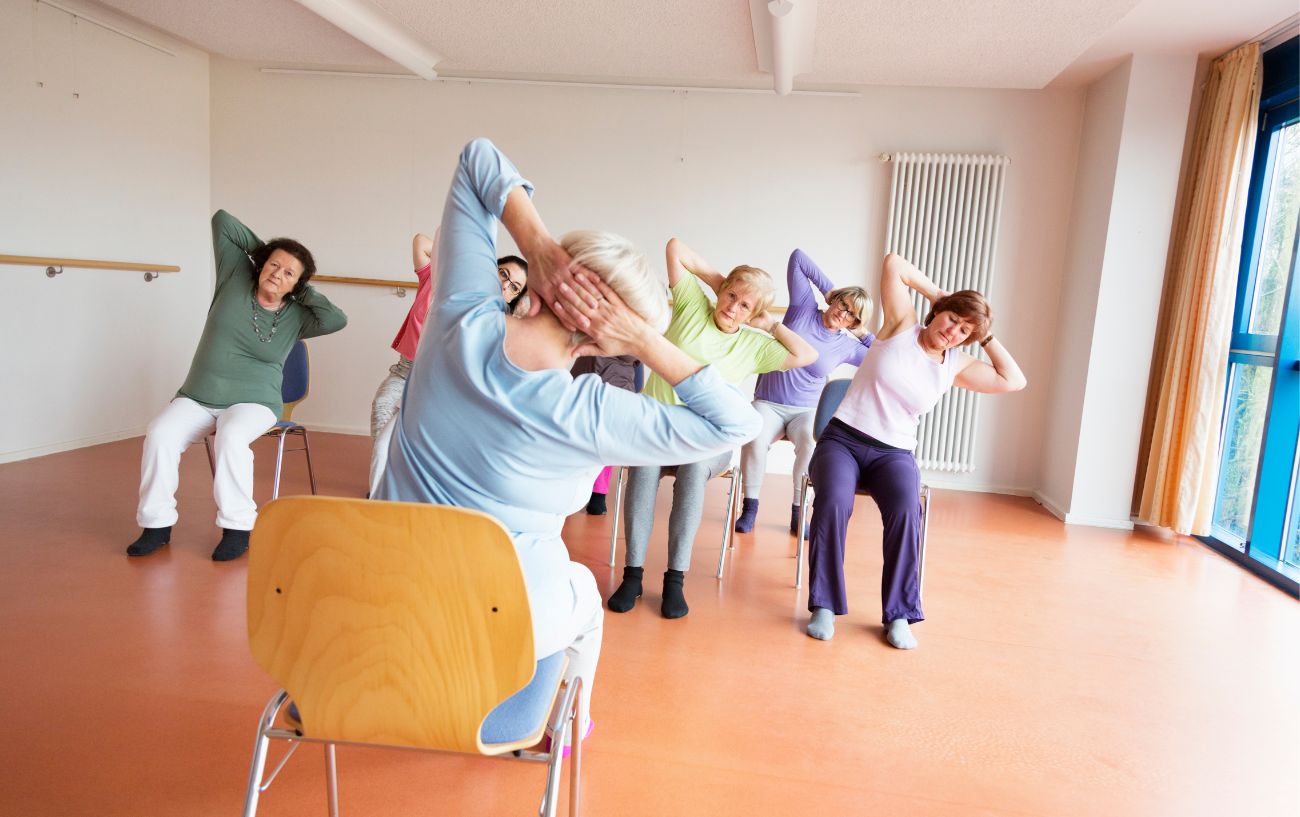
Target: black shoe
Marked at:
150, 540
596, 505
233, 544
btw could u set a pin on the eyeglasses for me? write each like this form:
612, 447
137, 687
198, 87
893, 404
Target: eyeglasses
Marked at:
511, 286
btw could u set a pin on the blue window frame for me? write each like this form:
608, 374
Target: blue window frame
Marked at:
1256, 513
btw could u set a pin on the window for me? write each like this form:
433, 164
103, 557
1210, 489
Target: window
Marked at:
1256, 507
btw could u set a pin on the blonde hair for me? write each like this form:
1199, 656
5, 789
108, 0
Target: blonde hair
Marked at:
856, 301
624, 268
755, 281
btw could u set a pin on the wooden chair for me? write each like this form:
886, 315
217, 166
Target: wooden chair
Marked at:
294, 388
733, 500
400, 624
831, 397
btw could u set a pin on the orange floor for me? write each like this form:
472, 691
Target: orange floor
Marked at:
1062, 671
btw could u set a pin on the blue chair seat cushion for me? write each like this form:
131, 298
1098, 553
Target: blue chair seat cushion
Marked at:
523, 713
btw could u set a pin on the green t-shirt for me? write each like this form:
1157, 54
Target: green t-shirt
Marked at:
232, 365
736, 356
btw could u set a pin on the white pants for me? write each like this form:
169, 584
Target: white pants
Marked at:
180, 425
793, 423
585, 629
379, 454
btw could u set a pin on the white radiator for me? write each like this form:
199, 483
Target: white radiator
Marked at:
944, 210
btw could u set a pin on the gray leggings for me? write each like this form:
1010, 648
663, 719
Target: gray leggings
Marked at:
683, 521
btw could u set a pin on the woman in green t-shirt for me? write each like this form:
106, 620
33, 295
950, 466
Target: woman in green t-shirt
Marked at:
733, 336
260, 308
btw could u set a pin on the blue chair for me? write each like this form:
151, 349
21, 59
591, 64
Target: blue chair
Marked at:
293, 390
832, 396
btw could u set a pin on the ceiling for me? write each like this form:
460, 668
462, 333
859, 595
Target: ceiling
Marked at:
957, 43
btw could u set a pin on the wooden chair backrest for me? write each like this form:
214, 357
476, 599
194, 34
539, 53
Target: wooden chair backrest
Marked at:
388, 622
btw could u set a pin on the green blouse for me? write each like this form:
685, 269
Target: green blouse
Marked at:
232, 365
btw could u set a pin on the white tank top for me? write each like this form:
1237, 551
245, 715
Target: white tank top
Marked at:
896, 383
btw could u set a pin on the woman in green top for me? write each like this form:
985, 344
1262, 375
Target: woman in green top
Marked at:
261, 307
727, 336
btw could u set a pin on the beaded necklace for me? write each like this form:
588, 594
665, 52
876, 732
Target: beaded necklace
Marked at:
275, 320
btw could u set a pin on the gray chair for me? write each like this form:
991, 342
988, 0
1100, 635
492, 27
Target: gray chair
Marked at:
733, 492
832, 396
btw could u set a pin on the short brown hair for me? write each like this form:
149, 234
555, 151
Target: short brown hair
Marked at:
754, 280
968, 305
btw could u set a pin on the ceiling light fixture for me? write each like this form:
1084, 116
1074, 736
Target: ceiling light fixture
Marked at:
783, 38
381, 32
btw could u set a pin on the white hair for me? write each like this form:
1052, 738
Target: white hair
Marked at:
624, 268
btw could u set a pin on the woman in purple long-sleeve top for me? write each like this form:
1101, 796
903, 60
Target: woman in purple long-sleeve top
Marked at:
787, 399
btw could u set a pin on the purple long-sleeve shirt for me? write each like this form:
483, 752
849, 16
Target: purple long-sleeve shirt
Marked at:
802, 387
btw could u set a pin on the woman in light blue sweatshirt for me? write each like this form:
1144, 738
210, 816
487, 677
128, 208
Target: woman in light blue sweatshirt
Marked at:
491, 418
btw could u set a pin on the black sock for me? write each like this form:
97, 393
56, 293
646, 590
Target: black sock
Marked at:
233, 544
596, 505
150, 540
628, 592
674, 605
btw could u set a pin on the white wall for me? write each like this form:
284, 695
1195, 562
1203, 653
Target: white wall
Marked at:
1129, 166
107, 159
353, 167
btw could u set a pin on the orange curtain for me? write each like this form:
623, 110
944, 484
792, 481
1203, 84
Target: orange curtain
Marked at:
1179, 467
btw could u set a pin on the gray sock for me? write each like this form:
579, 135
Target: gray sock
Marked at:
822, 624
899, 634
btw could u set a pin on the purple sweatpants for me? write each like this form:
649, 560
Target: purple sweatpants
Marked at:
843, 463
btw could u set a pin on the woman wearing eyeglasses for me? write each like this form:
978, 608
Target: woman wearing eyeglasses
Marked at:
786, 400
512, 272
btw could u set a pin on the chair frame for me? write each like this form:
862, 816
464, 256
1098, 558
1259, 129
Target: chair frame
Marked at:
472, 550
728, 540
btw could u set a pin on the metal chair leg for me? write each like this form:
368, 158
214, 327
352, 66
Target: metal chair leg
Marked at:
279, 461
618, 511
925, 531
803, 525
331, 780
207, 446
260, 744
575, 768
306, 447
729, 519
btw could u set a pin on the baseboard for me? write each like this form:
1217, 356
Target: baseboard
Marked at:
1079, 519
359, 431
69, 445
973, 487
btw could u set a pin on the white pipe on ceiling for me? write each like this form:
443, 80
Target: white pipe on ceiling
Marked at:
783, 45
381, 32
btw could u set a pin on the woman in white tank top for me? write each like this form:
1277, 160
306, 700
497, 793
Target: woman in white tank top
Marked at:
868, 444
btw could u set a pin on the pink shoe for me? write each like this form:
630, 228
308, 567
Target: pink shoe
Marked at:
568, 750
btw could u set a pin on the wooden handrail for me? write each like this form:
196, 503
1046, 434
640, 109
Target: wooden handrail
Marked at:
368, 282
379, 282
85, 263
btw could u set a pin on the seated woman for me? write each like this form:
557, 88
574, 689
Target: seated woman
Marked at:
513, 272
492, 420
714, 334
787, 400
868, 443
261, 307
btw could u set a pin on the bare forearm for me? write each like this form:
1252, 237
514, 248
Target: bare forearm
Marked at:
679, 254
800, 350
913, 278
1005, 365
